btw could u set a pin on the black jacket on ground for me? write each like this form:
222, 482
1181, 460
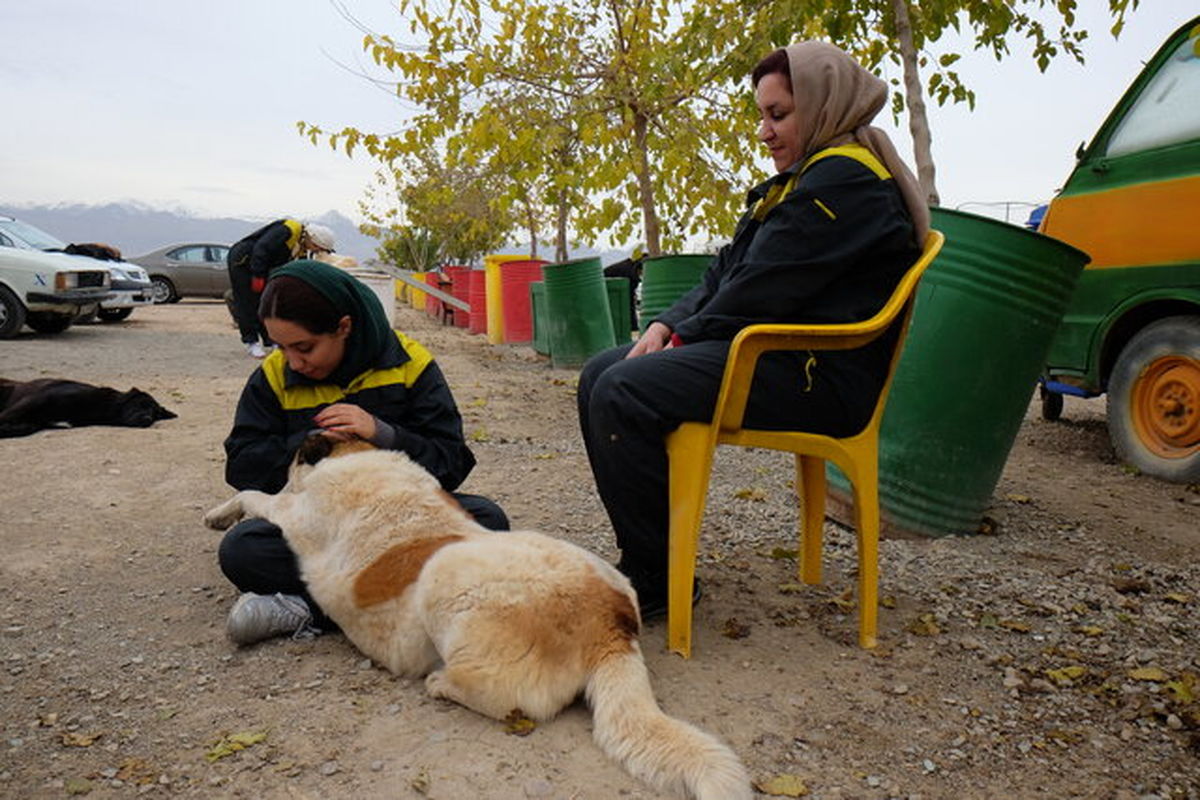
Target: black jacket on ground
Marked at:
404, 390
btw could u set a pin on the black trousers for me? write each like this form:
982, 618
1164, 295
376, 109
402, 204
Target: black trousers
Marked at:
255, 557
628, 406
245, 300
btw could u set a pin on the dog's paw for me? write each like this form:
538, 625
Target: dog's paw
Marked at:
439, 687
223, 516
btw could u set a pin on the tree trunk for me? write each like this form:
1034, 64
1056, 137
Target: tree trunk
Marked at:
645, 185
561, 253
531, 225
914, 96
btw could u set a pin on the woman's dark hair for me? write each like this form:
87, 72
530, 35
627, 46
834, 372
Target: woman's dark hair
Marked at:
289, 298
775, 62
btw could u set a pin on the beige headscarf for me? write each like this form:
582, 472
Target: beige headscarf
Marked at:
836, 99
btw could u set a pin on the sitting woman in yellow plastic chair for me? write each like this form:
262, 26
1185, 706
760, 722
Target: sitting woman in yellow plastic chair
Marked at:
825, 240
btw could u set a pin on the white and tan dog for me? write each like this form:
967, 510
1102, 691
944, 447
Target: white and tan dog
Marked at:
499, 622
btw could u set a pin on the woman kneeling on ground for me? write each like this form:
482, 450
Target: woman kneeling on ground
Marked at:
339, 369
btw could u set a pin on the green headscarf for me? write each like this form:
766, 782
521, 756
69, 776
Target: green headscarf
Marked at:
370, 334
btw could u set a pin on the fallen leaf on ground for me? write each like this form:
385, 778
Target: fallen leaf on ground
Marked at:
1149, 674
732, 629
924, 625
751, 493
78, 786
784, 785
71, 739
1066, 676
228, 745
517, 724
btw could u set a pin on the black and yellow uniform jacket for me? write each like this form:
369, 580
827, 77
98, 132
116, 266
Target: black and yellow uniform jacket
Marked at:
825, 241
405, 391
271, 246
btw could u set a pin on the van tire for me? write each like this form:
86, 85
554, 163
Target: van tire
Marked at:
12, 313
1154, 400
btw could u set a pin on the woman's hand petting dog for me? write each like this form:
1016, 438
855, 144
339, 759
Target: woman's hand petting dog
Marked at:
346, 421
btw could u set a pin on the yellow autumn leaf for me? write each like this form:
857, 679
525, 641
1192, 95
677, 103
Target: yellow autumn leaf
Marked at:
480, 435
1180, 598
1149, 674
517, 724
1066, 675
70, 739
1090, 630
1014, 625
924, 625
1019, 498
752, 493
234, 742
784, 785
1181, 691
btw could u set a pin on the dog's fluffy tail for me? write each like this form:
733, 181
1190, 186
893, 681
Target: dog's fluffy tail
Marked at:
668, 753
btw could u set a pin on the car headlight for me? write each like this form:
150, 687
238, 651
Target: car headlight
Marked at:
66, 280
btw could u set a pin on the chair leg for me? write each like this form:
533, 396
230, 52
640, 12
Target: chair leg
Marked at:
866, 506
690, 454
810, 484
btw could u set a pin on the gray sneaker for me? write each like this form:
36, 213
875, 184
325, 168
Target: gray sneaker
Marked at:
255, 617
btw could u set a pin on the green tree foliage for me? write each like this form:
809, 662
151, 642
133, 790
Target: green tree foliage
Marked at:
622, 113
450, 208
905, 31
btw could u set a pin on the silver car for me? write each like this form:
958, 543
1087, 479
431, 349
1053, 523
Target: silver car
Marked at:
195, 269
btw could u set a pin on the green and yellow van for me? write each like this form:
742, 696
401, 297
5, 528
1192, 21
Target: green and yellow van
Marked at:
1132, 328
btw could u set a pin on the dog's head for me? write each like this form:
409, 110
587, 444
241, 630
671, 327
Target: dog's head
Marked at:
137, 409
317, 447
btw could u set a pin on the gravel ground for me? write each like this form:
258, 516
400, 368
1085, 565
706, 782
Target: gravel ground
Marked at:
1056, 658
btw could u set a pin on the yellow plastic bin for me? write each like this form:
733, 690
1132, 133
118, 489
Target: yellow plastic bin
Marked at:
416, 297
494, 292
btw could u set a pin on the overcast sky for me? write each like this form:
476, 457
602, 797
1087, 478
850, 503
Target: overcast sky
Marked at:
192, 105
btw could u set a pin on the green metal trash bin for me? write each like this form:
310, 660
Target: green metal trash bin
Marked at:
986, 312
667, 278
579, 323
537, 312
618, 306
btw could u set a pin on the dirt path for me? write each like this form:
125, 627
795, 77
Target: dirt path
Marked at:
1056, 659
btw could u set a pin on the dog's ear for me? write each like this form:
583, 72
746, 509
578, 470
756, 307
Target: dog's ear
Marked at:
314, 448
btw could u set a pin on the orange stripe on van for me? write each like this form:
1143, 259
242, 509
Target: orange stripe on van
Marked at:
1147, 224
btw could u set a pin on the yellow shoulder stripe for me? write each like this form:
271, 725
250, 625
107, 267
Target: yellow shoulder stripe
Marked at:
294, 398
293, 240
856, 151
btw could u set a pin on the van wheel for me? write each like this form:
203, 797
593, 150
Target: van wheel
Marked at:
1052, 404
12, 314
45, 322
1154, 400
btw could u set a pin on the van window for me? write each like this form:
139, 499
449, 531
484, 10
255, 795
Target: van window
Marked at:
1167, 111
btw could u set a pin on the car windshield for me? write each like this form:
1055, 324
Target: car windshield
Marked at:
26, 236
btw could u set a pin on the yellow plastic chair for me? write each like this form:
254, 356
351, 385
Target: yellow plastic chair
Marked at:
690, 453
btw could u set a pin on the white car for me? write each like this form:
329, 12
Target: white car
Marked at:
129, 284
47, 291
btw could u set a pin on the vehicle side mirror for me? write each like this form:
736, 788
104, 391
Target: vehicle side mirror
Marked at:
1079, 151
